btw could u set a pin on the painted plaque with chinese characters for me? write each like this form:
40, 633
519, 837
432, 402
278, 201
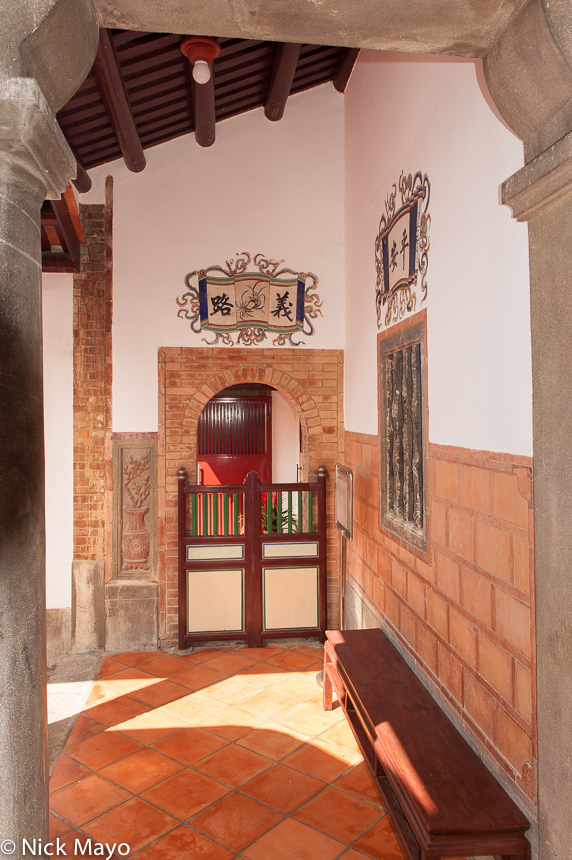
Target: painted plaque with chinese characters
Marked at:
401, 249
251, 303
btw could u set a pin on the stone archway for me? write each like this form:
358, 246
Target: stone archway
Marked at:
311, 380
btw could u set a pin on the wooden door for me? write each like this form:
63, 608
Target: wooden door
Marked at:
234, 437
252, 560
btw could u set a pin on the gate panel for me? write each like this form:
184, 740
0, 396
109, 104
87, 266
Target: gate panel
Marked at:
252, 560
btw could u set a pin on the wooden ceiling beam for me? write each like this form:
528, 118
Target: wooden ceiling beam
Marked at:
204, 110
283, 73
346, 67
83, 180
110, 83
67, 230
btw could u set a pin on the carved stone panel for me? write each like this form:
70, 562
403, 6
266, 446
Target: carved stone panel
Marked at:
135, 507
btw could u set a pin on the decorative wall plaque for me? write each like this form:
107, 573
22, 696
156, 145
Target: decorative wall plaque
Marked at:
401, 249
134, 506
249, 302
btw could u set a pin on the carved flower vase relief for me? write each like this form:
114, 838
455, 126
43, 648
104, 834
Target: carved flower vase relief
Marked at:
136, 540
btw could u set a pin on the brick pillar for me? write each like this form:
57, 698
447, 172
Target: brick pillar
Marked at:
92, 424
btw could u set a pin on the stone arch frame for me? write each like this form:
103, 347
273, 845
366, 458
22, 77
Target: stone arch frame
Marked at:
311, 380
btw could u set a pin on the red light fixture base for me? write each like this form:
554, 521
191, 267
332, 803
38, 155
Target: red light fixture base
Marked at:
200, 48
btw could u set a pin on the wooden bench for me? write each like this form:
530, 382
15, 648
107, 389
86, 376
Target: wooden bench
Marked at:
441, 798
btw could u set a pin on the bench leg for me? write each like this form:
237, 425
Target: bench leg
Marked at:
327, 692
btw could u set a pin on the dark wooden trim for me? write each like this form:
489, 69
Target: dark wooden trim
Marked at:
57, 263
111, 86
283, 72
204, 110
66, 229
182, 578
345, 69
82, 181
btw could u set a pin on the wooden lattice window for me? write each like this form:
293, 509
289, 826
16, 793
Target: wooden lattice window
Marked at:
402, 433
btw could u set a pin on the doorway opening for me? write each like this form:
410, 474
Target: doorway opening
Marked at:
248, 428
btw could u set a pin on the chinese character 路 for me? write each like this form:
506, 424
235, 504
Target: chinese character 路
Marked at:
221, 305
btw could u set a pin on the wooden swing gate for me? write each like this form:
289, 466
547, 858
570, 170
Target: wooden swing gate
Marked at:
252, 560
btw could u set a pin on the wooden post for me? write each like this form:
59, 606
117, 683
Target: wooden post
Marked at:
182, 580
323, 551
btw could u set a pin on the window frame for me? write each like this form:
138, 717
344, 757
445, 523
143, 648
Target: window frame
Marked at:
409, 332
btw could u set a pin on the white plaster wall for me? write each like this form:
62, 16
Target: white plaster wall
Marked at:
285, 440
271, 188
413, 113
57, 306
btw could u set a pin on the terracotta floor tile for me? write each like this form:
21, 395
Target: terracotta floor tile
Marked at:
232, 690
358, 781
316, 651
294, 841
341, 736
69, 840
185, 794
83, 729
294, 661
128, 680
269, 704
117, 710
57, 827
321, 761
184, 843
263, 674
200, 655
232, 723
161, 693
264, 653
310, 719
381, 842
100, 693
193, 707
104, 748
66, 771
135, 658
283, 788
341, 815
229, 663
165, 666
87, 799
109, 666
233, 765
352, 854
298, 685
190, 745
151, 726
135, 819
141, 770
270, 742
197, 677
236, 821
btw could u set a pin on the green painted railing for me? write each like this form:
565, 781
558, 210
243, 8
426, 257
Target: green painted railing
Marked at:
282, 512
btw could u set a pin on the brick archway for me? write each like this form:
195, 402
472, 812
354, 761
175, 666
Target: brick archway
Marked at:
188, 378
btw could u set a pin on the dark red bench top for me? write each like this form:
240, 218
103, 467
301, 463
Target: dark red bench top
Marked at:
448, 787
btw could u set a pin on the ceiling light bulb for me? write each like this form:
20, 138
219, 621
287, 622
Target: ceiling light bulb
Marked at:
201, 72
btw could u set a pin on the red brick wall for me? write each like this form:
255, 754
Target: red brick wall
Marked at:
464, 611
92, 312
311, 379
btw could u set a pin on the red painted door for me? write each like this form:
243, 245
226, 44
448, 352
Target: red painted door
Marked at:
235, 438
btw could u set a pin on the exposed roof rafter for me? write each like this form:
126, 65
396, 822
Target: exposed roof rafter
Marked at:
345, 69
283, 73
110, 83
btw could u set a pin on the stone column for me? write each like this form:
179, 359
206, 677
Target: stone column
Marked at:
541, 193
35, 162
